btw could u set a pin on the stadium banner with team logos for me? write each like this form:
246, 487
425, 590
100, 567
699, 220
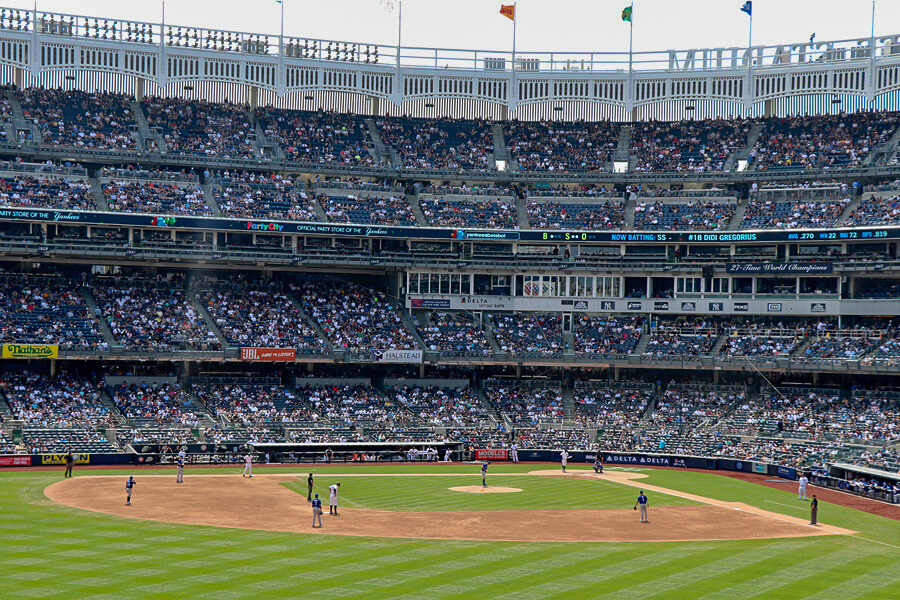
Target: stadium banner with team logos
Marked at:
659, 460
490, 454
15, 461
268, 354
60, 459
398, 356
30, 350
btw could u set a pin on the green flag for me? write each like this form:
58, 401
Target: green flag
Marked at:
626, 14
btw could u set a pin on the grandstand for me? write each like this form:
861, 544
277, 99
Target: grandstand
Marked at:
616, 274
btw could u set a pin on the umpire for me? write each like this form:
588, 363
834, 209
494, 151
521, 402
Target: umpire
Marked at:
309, 486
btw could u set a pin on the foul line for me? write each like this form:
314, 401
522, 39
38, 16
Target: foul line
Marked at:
788, 505
875, 541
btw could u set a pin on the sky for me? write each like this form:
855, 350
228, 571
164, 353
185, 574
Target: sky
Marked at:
543, 25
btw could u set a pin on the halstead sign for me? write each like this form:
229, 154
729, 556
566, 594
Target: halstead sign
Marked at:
397, 356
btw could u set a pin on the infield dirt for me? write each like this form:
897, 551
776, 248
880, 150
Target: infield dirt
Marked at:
261, 503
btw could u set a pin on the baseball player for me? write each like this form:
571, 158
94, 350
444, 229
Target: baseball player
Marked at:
484, 467
801, 491
514, 452
179, 463
642, 502
317, 510
129, 485
598, 465
333, 489
564, 457
447, 455
248, 466
309, 487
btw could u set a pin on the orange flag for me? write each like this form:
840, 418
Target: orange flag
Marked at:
508, 11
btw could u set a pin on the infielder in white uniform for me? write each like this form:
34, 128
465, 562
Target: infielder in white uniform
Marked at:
248, 466
801, 492
564, 458
447, 455
514, 453
332, 489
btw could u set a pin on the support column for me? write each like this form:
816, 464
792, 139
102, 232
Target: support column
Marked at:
252, 96
52, 367
374, 105
139, 89
17, 78
504, 112
769, 108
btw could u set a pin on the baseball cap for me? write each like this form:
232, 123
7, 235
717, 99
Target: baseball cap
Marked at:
317, 495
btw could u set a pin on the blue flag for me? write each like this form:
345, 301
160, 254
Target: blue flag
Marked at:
748, 7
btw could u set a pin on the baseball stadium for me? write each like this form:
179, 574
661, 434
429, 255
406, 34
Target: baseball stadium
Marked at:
576, 317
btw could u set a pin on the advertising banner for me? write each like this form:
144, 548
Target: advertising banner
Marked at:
15, 461
268, 354
428, 303
30, 350
790, 267
398, 356
60, 459
490, 454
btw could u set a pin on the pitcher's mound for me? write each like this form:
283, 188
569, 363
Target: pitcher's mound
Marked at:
477, 489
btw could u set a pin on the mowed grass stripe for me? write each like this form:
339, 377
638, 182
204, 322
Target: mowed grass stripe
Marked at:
433, 493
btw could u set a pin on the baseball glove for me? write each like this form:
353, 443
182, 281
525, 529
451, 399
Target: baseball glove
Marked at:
634, 507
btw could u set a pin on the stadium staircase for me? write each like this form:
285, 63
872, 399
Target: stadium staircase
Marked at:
411, 326
5, 413
488, 334
642, 344
802, 347
192, 295
488, 407
210, 199
744, 153
10, 131
883, 152
630, 205
623, 148
20, 123
416, 210
144, 128
99, 196
522, 213
380, 148
312, 322
739, 211
568, 397
717, 347
94, 310
320, 210
265, 148
848, 210
501, 152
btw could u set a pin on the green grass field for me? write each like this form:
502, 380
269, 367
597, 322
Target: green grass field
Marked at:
51, 551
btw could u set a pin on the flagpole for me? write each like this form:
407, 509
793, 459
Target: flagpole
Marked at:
513, 95
630, 63
750, 64
872, 82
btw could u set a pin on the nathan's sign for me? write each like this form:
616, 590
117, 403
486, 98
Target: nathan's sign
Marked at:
788, 267
30, 350
268, 354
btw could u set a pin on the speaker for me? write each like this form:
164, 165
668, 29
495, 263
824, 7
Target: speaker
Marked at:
708, 271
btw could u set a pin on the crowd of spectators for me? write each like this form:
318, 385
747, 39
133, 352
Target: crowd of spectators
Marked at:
25, 191
355, 318
500, 214
682, 217
65, 400
837, 347
527, 334
442, 407
454, 333
393, 210
318, 137
261, 196
160, 405
822, 141
246, 405
96, 121
157, 198
562, 146
263, 318
686, 146
47, 311
875, 210
607, 335
792, 215
440, 144
681, 404
200, 128
556, 215
599, 406
670, 341
356, 406
760, 345
525, 403
145, 315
